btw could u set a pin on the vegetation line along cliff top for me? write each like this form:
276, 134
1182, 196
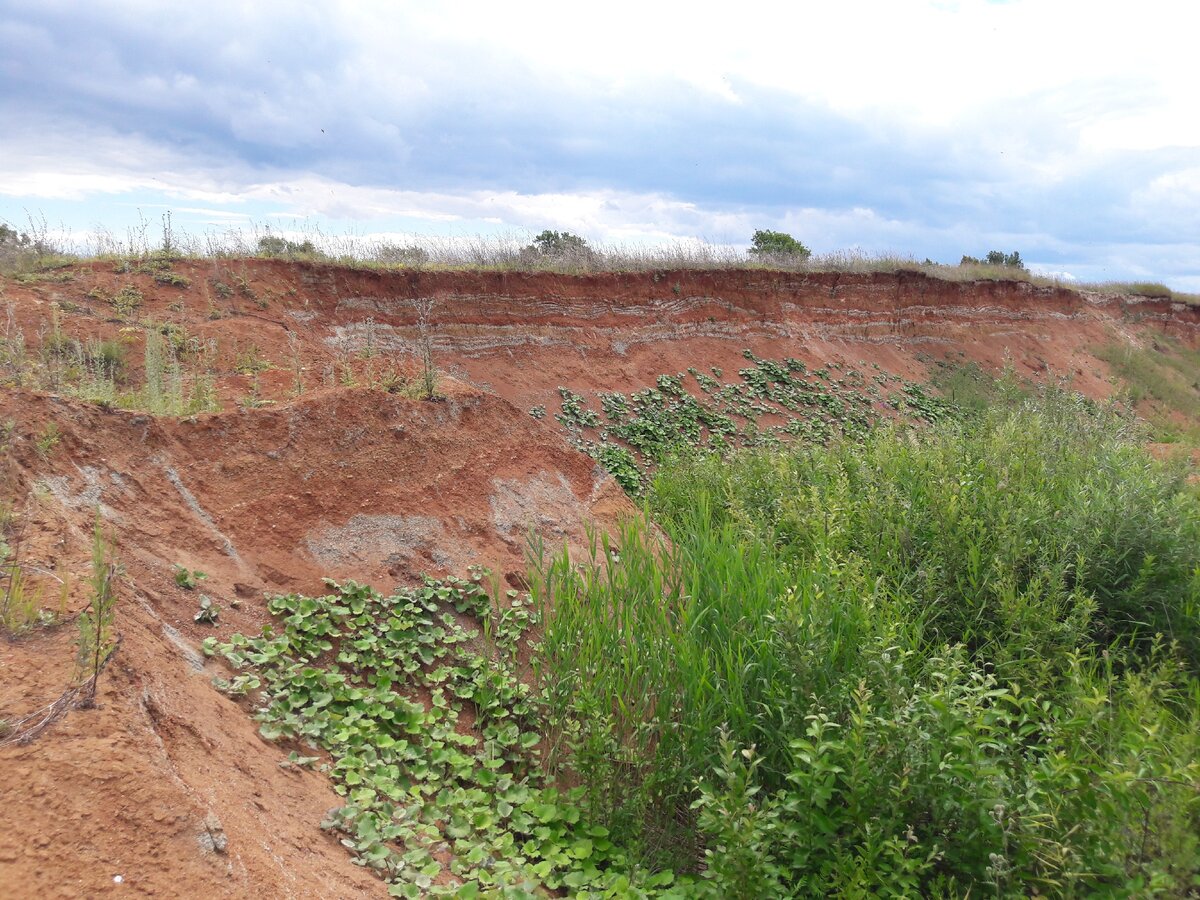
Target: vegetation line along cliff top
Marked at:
39, 249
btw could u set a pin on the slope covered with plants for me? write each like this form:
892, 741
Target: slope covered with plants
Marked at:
931, 661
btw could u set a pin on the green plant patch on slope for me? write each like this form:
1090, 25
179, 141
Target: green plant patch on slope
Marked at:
177, 376
772, 403
946, 661
433, 740
1166, 373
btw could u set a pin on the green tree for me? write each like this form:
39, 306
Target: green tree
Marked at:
272, 245
777, 244
559, 243
15, 246
996, 258
9, 235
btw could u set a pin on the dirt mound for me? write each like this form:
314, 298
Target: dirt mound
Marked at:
310, 473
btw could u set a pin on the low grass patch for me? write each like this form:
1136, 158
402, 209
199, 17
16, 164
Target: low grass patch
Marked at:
1167, 373
176, 378
308, 244
23, 591
973, 391
1153, 290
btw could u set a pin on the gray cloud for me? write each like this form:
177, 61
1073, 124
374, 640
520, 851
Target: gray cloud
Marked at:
226, 97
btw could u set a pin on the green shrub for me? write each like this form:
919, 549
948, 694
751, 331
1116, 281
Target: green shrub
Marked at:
47, 440
173, 279
997, 258
105, 357
273, 245
932, 656
188, 579
1039, 512
127, 300
778, 245
558, 243
220, 288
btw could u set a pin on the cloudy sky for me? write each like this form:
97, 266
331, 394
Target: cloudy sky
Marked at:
1067, 130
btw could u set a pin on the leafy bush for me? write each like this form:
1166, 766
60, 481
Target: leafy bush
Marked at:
188, 579
127, 300
932, 657
768, 244
559, 243
273, 245
1039, 511
208, 613
173, 279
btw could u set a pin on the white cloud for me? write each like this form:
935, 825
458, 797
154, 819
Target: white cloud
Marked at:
922, 127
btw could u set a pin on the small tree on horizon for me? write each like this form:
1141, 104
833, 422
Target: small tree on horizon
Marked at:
559, 243
273, 245
777, 243
996, 258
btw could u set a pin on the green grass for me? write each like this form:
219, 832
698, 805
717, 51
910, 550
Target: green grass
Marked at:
925, 664
1166, 373
973, 390
1154, 290
20, 601
504, 253
177, 379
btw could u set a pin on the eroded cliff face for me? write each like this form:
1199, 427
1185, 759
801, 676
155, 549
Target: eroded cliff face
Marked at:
167, 783
522, 335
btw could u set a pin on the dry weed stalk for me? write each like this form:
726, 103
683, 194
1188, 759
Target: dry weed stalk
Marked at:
424, 307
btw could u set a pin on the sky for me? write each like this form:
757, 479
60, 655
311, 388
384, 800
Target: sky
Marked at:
1066, 130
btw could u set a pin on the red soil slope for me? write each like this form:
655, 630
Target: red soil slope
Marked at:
167, 784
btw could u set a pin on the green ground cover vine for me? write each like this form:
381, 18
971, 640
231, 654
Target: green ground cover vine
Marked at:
433, 740
772, 403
